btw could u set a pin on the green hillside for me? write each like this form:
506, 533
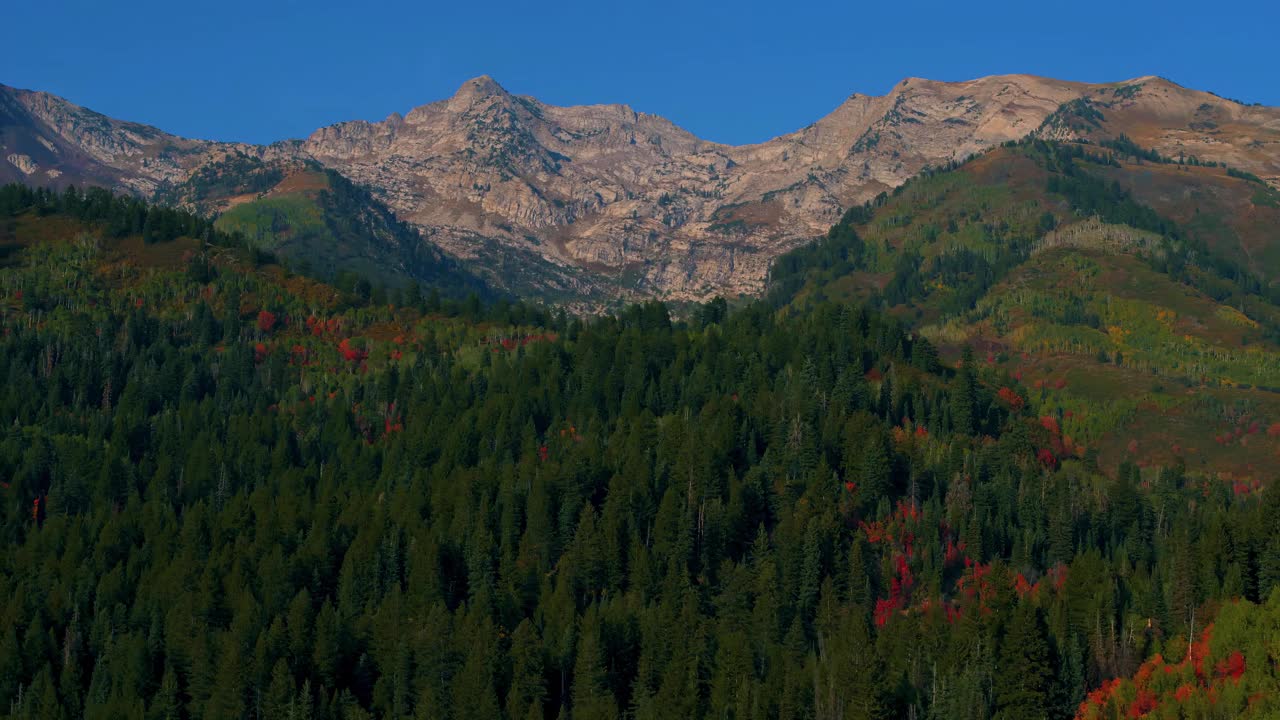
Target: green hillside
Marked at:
1140, 333
330, 228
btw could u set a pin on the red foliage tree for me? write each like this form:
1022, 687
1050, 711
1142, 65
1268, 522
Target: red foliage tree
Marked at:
1011, 398
1046, 458
1143, 704
1024, 587
1232, 668
1098, 698
351, 353
899, 590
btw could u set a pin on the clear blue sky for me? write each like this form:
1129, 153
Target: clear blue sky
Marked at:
732, 72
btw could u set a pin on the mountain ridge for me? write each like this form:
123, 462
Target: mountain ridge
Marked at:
630, 202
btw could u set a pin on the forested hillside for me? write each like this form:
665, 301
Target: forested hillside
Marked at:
1141, 332
230, 491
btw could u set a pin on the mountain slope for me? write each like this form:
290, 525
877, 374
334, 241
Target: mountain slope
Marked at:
600, 202
1134, 332
234, 492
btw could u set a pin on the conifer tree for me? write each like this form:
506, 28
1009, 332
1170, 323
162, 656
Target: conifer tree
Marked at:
1024, 672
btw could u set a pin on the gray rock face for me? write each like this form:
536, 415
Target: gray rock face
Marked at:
645, 205
616, 203
78, 142
70, 144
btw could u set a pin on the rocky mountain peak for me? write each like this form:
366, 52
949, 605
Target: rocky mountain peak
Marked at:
475, 91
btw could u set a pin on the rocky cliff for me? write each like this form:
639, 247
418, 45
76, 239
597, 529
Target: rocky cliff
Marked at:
646, 207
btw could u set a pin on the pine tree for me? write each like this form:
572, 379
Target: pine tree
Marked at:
963, 388
528, 688
1023, 680
875, 472
327, 646
592, 698
228, 699
474, 694
1269, 552
279, 697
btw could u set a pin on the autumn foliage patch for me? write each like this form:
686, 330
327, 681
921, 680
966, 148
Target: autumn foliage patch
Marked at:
1162, 689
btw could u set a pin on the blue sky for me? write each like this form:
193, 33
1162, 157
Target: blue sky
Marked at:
731, 72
